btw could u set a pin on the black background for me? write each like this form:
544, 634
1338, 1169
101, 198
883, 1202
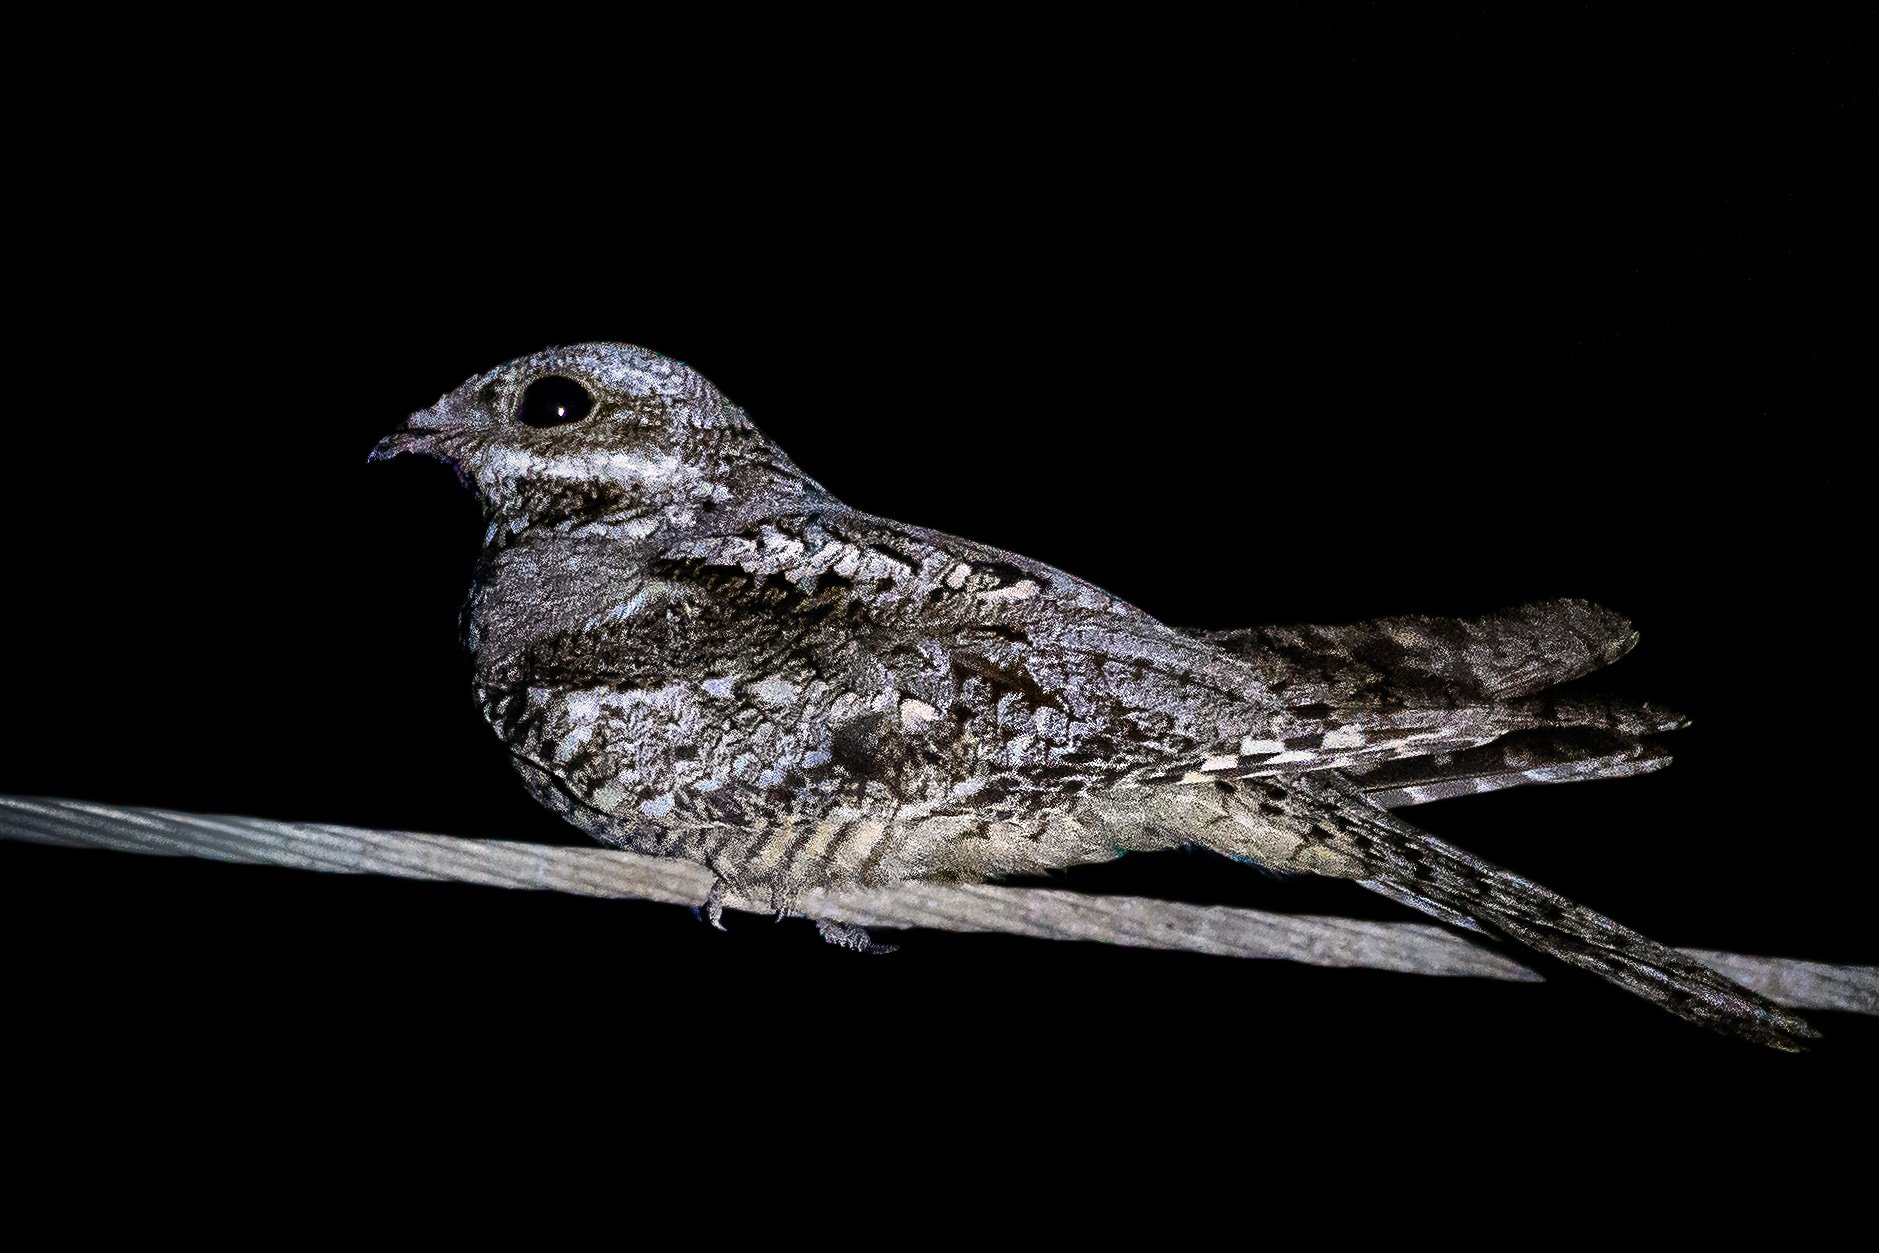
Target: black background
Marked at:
1347, 316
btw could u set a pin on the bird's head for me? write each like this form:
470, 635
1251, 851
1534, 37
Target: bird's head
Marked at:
598, 435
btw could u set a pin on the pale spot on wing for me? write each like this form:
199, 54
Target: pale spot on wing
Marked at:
773, 691
582, 710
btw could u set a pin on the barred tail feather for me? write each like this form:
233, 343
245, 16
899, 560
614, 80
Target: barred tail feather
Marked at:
1340, 831
1462, 889
1361, 741
1568, 755
1354, 697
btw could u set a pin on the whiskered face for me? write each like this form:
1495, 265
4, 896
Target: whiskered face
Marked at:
596, 434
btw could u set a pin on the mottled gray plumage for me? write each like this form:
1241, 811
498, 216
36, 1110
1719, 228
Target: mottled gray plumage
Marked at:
692, 649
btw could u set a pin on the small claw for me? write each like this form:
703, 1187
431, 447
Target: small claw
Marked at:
713, 905
846, 935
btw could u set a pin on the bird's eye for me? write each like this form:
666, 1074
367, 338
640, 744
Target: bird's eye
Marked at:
553, 401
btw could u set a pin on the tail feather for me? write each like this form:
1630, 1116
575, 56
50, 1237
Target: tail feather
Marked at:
1563, 755
1365, 740
1339, 831
1417, 708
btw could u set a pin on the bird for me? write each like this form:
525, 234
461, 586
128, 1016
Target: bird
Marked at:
690, 648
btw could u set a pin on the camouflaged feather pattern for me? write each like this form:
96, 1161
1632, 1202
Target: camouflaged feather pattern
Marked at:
691, 649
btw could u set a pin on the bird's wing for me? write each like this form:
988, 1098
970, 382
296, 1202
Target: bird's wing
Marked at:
836, 643
994, 640
1424, 660
1357, 696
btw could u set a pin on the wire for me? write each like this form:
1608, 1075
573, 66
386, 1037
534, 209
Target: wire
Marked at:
1412, 948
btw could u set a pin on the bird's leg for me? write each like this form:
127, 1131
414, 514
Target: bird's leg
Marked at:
847, 935
712, 905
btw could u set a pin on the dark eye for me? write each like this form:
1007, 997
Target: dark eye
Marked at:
553, 401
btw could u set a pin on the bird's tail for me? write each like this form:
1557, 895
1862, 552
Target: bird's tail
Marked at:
1337, 830
1549, 755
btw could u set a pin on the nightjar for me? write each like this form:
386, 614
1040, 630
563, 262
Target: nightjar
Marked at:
691, 649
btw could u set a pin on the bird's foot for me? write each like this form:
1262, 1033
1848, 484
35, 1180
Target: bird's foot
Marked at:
713, 905
847, 935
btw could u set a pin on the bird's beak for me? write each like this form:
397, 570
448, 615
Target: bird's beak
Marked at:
397, 442
418, 434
